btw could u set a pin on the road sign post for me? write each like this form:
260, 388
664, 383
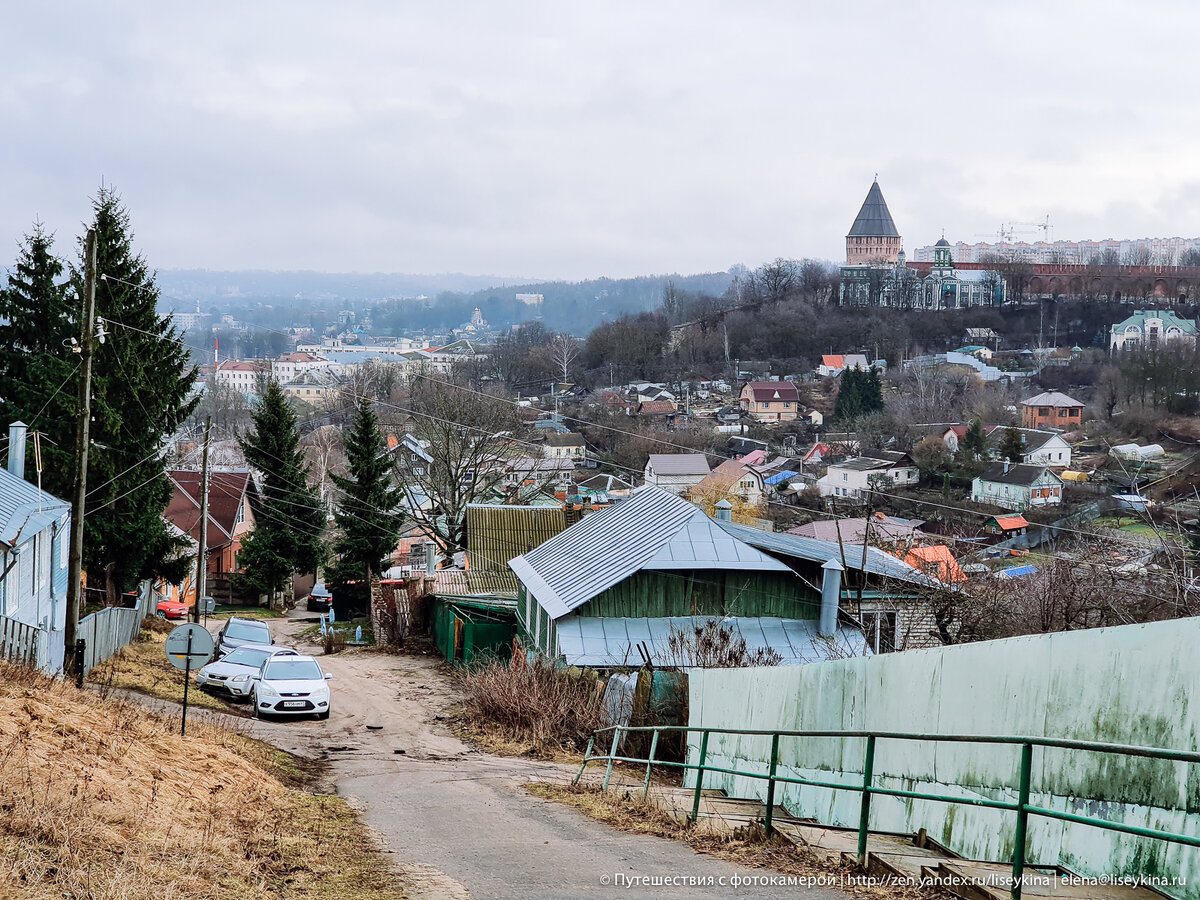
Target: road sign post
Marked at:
188, 647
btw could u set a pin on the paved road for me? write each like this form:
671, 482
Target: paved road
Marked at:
460, 822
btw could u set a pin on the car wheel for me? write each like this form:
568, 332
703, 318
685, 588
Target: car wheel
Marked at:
323, 715
254, 704
161, 614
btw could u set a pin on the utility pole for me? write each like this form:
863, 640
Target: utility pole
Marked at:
82, 439
202, 556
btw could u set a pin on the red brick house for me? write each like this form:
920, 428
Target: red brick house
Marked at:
229, 520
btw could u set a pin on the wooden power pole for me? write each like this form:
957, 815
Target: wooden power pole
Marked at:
201, 560
82, 428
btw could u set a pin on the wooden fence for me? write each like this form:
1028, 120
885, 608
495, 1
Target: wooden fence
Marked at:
23, 643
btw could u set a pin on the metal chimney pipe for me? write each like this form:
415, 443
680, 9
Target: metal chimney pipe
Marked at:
430, 558
831, 591
16, 448
724, 511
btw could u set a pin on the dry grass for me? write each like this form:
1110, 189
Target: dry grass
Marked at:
100, 799
532, 706
142, 666
748, 845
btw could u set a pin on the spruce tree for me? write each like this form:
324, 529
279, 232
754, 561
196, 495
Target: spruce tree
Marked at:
288, 516
1010, 445
37, 369
973, 444
367, 515
849, 403
141, 381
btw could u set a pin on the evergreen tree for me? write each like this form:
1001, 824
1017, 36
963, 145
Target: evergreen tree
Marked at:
37, 370
849, 403
1011, 447
860, 393
141, 382
974, 444
288, 516
367, 517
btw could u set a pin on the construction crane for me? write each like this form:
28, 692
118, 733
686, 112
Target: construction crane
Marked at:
1006, 233
1046, 228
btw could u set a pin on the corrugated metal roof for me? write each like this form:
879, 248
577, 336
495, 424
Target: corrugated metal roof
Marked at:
782, 476
496, 534
610, 642
20, 517
648, 531
813, 550
1016, 572
679, 463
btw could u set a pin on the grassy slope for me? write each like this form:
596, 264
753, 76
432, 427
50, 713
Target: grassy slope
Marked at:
99, 798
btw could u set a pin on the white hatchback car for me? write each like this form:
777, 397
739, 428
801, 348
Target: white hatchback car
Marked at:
233, 673
291, 686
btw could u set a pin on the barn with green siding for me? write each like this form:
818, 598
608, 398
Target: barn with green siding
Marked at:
614, 586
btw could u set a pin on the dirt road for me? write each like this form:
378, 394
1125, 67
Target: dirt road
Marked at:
460, 822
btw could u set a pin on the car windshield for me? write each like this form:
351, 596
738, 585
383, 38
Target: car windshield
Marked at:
245, 656
292, 670
248, 631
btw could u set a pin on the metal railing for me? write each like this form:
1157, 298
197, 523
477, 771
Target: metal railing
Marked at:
1022, 807
106, 631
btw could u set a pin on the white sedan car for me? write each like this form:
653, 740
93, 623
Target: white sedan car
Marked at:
233, 673
291, 686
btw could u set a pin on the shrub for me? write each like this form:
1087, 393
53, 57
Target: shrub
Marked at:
534, 703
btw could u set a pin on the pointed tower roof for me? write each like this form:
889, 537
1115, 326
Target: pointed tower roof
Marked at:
874, 220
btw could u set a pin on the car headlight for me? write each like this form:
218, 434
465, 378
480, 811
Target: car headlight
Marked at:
322, 691
239, 679
265, 690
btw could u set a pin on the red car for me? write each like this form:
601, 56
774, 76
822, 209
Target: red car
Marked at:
169, 609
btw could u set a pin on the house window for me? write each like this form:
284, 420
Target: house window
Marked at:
241, 513
880, 630
787, 405
766, 404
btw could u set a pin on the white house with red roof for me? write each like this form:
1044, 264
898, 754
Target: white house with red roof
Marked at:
771, 401
833, 364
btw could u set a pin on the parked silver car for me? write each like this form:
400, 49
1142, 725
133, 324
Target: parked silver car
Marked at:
291, 686
238, 631
233, 674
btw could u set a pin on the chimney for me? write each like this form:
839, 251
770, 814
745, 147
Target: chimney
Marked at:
831, 591
16, 449
430, 558
724, 511
1006, 467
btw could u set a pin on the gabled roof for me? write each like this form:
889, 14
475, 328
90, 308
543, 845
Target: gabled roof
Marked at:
496, 534
654, 530
1010, 523
564, 440
225, 493
730, 472
1051, 398
656, 408
606, 483
772, 390
936, 561
25, 510
882, 459
1013, 473
679, 463
874, 220
882, 528
833, 360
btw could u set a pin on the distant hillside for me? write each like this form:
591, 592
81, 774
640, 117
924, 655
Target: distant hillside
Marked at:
210, 287
577, 307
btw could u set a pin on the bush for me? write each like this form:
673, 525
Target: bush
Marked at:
534, 703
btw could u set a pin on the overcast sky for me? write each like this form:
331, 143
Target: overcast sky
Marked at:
567, 140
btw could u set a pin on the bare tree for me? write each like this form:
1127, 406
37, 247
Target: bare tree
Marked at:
466, 441
564, 350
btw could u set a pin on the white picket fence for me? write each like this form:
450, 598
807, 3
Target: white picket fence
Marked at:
23, 643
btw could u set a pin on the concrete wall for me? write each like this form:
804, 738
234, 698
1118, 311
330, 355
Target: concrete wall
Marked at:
1130, 685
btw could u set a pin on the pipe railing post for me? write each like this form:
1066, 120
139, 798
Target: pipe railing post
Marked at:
611, 753
587, 756
700, 776
1022, 820
864, 816
649, 763
771, 781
